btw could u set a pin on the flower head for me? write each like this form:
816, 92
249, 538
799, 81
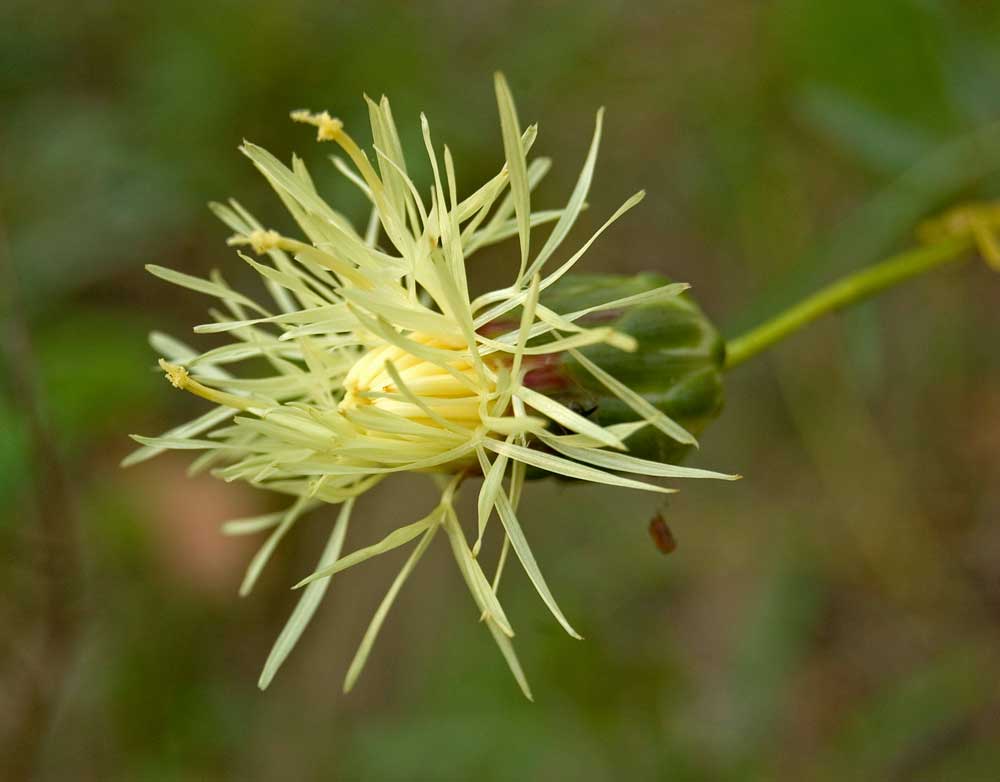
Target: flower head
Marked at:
373, 358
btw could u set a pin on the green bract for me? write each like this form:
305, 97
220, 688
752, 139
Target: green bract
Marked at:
676, 368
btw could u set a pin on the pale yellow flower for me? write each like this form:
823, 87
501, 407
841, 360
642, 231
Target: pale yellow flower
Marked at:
378, 362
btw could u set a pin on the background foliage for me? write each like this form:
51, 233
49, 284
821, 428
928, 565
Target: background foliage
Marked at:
832, 616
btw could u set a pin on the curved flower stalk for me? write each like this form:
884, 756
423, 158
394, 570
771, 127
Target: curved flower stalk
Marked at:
377, 360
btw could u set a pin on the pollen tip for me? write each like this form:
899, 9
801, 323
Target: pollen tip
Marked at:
176, 374
327, 127
263, 241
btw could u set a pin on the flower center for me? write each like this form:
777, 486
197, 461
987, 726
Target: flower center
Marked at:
451, 389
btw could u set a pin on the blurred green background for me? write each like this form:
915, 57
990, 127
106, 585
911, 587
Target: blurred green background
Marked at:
832, 616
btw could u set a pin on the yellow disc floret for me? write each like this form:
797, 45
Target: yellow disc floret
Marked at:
452, 389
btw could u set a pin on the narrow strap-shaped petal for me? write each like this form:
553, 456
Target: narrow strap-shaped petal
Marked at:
308, 602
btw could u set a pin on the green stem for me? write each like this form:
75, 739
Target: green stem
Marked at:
850, 289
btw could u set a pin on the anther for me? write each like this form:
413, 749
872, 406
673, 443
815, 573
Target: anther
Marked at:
327, 127
263, 241
177, 375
